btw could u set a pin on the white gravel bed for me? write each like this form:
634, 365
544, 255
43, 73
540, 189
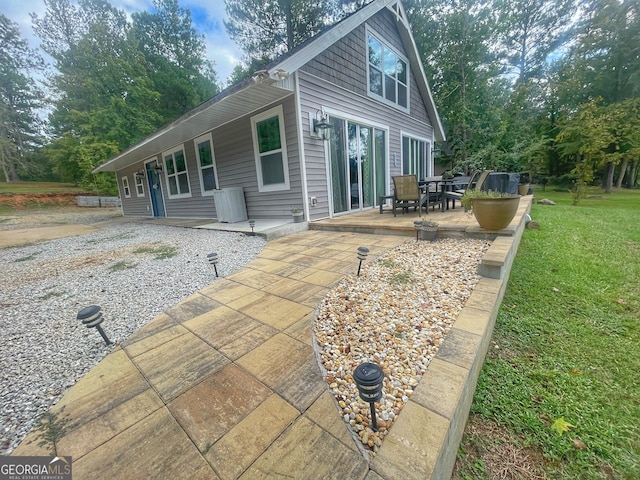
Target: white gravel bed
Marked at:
44, 349
395, 314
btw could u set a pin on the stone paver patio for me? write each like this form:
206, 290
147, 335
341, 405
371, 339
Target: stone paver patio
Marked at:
226, 383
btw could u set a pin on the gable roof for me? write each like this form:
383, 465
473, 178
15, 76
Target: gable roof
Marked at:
270, 85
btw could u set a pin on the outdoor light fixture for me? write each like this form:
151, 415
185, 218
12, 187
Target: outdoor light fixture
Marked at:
92, 318
435, 151
321, 125
213, 260
252, 224
158, 168
140, 174
368, 378
362, 255
418, 226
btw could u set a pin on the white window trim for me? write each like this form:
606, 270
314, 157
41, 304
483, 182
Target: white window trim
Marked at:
383, 99
272, 112
196, 141
126, 189
428, 153
171, 152
139, 182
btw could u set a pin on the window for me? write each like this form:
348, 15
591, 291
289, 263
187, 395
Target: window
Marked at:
175, 172
388, 74
125, 187
414, 157
206, 164
139, 184
270, 149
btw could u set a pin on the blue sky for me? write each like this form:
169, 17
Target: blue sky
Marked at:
207, 18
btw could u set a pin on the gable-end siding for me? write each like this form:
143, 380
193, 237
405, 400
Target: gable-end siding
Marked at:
345, 62
316, 93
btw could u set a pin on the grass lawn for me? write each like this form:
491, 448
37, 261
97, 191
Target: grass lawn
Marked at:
38, 188
559, 393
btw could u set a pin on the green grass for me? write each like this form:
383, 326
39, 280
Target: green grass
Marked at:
27, 258
122, 265
159, 252
567, 339
38, 188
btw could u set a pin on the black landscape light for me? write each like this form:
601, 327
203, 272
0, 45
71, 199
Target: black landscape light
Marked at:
368, 378
213, 260
252, 224
92, 317
362, 255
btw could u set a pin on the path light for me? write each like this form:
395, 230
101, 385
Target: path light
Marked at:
252, 224
362, 255
368, 378
92, 317
418, 226
213, 260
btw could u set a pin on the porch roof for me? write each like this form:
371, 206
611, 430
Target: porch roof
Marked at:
235, 102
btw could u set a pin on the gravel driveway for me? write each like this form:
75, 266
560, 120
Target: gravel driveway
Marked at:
133, 271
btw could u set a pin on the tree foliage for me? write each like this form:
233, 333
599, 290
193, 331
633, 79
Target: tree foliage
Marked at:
115, 81
20, 99
267, 29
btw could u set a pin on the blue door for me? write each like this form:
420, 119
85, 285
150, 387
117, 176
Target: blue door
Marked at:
155, 189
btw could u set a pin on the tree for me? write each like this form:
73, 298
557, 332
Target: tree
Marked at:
176, 58
532, 30
265, 30
21, 98
103, 93
454, 40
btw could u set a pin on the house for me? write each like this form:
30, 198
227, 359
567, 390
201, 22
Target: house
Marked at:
322, 128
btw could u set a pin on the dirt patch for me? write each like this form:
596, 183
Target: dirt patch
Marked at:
491, 451
20, 200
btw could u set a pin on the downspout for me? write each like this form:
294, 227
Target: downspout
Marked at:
303, 170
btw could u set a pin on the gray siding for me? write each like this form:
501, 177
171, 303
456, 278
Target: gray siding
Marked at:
345, 63
134, 206
316, 93
234, 156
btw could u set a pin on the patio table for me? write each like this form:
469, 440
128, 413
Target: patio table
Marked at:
450, 184
425, 184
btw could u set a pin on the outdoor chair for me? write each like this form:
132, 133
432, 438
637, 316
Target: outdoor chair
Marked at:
406, 193
475, 181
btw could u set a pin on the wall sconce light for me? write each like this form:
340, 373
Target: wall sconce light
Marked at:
321, 126
158, 168
435, 151
140, 174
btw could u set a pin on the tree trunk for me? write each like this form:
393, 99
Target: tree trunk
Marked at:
623, 170
631, 178
608, 183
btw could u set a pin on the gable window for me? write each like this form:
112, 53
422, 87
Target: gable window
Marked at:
388, 73
206, 164
270, 149
139, 185
125, 187
175, 172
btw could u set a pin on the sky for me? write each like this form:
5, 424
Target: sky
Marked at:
207, 17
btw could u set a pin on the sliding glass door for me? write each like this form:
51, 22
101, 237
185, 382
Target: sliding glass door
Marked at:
358, 165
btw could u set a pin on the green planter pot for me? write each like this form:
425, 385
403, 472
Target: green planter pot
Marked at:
495, 213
